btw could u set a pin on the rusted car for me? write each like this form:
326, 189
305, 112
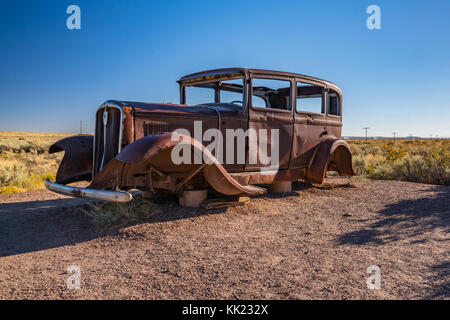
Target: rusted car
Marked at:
298, 117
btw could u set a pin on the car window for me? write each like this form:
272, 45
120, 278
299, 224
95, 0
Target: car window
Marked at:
258, 102
333, 104
229, 91
309, 104
229, 96
198, 95
309, 98
271, 93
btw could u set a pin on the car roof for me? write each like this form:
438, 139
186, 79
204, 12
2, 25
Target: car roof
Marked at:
211, 74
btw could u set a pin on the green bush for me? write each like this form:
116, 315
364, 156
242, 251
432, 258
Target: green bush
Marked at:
424, 161
25, 162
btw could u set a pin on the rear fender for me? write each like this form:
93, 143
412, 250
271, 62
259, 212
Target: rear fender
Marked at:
334, 152
76, 164
342, 158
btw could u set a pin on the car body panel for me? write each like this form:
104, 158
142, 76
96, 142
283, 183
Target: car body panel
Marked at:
133, 142
76, 164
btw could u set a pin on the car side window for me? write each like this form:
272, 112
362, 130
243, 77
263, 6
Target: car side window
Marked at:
271, 93
309, 98
231, 91
259, 102
334, 107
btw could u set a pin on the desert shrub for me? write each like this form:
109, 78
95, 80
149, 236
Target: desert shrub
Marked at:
359, 165
111, 214
393, 152
25, 162
12, 171
424, 169
424, 161
11, 190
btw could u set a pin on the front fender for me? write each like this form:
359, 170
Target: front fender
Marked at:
76, 164
335, 152
146, 148
143, 152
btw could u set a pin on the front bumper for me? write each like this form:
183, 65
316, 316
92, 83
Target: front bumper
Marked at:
86, 193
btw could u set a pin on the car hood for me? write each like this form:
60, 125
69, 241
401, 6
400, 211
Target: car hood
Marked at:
141, 108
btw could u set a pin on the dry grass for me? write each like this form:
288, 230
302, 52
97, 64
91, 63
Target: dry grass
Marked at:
25, 162
424, 161
111, 214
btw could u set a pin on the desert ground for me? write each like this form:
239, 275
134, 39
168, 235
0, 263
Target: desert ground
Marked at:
314, 243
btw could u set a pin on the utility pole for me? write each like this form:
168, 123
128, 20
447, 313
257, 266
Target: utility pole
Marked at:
81, 126
394, 133
367, 128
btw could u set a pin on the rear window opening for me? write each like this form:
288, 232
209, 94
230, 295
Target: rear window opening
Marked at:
334, 104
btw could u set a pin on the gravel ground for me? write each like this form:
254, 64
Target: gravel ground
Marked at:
314, 243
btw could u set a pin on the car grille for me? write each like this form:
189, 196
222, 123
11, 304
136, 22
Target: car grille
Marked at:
153, 127
107, 137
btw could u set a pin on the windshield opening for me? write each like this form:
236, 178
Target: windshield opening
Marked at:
216, 92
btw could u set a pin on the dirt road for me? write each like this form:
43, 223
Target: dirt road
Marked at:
315, 243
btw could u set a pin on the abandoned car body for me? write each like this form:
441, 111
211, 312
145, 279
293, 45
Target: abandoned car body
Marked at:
134, 142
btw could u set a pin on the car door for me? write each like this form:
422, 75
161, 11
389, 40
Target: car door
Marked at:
310, 123
271, 121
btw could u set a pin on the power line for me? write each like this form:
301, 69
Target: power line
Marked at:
394, 133
366, 128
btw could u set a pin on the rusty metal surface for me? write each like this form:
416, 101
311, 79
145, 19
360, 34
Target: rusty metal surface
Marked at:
272, 119
342, 159
227, 72
108, 139
309, 144
153, 152
76, 164
264, 178
146, 147
335, 152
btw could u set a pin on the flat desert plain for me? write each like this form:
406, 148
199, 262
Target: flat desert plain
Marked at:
314, 243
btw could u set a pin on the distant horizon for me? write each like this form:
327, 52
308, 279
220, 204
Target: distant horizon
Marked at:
343, 136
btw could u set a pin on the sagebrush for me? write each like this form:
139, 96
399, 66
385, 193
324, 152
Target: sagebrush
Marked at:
25, 162
424, 161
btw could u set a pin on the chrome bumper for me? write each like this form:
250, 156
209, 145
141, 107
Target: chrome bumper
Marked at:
93, 194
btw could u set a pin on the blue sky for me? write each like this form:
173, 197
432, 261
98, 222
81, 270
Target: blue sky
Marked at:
393, 79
